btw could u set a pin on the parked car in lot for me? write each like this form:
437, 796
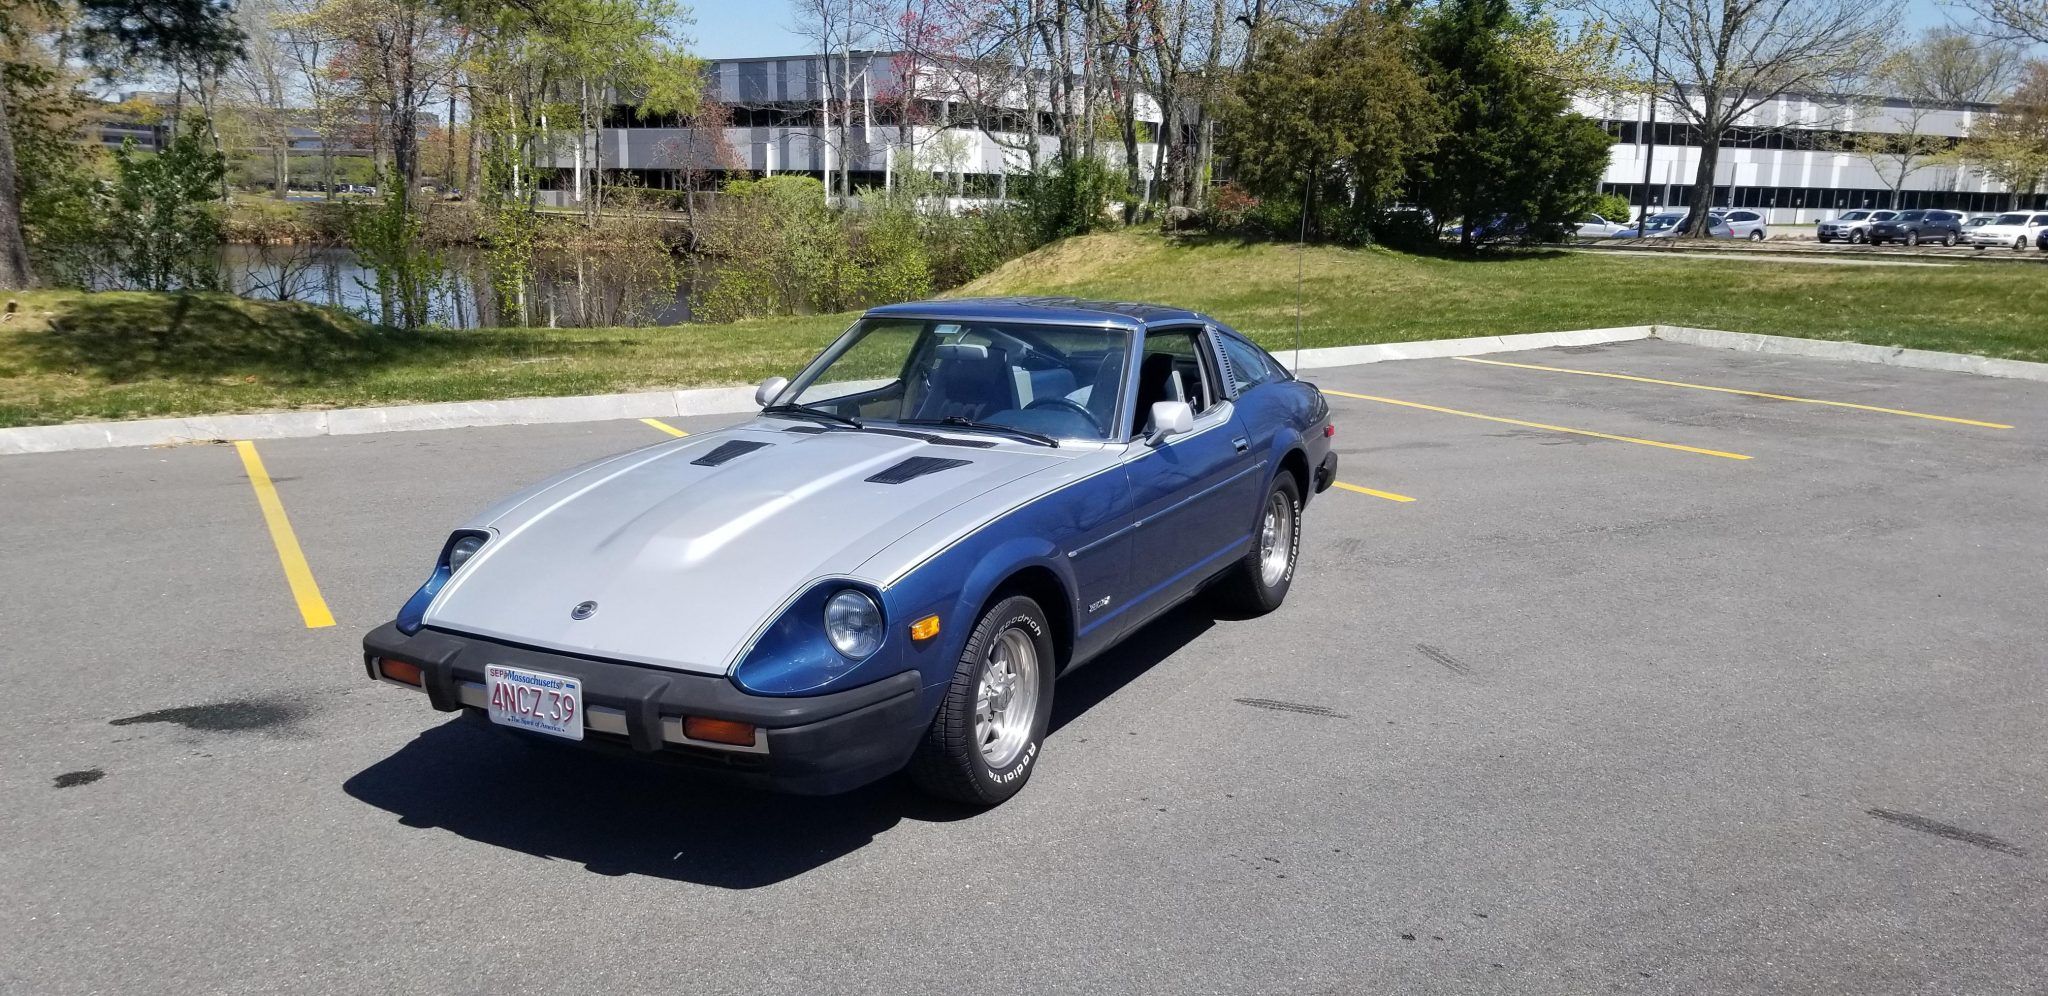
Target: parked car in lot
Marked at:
2017, 229
1915, 227
1491, 230
1670, 225
888, 567
1744, 223
2041, 240
1851, 226
1594, 226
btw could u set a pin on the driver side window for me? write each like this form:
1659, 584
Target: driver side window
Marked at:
1176, 367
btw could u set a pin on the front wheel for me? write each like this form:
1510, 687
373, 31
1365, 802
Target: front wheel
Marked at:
1947, 241
1259, 582
1857, 238
1912, 238
2019, 245
1824, 240
982, 743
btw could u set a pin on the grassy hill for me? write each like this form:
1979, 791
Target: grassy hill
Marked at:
1352, 296
67, 355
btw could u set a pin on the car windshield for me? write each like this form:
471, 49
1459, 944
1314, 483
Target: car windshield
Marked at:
1054, 380
1855, 216
1884, 216
2011, 219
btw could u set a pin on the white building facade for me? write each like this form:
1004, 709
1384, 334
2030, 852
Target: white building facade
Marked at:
816, 115
1789, 159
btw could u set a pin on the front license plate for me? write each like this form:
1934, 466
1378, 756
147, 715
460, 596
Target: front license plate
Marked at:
535, 700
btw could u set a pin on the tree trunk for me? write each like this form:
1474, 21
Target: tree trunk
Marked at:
281, 173
15, 273
1703, 185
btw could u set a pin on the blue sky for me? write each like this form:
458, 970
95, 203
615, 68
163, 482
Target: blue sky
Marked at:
732, 29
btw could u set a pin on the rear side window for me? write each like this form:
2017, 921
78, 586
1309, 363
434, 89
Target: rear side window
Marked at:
2040, 219
1249, 366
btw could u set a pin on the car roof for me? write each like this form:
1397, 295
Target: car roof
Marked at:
1066, 310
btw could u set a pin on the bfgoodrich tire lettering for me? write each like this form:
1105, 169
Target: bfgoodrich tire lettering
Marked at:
977, 750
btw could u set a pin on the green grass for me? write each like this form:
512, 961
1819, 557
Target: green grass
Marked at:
68, 356
1353, 296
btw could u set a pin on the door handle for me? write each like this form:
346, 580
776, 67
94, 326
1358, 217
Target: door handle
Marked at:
1241, 443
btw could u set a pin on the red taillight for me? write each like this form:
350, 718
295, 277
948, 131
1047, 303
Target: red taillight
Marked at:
403, 672
1329, 429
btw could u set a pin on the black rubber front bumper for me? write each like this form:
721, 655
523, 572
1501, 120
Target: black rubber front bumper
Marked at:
815, 744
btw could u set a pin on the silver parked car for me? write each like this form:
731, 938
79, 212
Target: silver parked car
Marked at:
1851, 226
1671, 225
1594, 226
1748, 223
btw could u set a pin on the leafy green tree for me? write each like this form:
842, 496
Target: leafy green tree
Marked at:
1345, 109
1512, 147
165, 225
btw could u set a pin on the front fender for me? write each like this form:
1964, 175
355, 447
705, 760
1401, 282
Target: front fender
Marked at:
957, 583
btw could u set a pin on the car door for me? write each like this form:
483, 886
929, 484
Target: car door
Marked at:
1192, 493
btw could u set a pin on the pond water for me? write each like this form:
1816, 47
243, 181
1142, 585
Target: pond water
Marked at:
563, 289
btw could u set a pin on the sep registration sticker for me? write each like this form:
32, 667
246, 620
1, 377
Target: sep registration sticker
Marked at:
535, 700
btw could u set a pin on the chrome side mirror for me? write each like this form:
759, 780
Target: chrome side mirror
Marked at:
765, 394
1169, 418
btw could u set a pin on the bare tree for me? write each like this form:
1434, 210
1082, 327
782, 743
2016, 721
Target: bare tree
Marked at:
838, 30
1952, 66
1717, 62
2024, 21
262, 86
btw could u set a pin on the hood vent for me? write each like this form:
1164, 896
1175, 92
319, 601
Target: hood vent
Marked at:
727, 450
914, 468
808, 430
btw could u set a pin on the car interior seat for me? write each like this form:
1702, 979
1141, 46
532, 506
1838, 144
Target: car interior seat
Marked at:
969, 380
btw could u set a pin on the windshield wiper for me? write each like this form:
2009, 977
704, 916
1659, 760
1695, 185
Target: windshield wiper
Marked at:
957, 422
806, 411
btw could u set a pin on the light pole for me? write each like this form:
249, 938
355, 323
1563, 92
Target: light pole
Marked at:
1650, 134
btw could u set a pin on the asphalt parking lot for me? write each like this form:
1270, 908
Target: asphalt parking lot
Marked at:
1650, 688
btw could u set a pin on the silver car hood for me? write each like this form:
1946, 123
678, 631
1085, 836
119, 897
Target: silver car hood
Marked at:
686, 562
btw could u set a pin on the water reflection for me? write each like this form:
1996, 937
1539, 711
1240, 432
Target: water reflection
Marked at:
563, 289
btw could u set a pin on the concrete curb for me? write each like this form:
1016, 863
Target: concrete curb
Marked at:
736, 400
1824, 349
1346, 356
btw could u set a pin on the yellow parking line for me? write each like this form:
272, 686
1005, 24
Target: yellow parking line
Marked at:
1388, 495
312, 607
1541, 425
664, 426
1733, 390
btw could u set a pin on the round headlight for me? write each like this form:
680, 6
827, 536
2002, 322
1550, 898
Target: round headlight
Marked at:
463, 549
853, 623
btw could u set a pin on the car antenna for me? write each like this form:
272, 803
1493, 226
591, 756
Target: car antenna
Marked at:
1300, 265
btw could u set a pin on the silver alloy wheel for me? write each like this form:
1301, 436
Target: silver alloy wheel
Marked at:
1276, 539
1007, 698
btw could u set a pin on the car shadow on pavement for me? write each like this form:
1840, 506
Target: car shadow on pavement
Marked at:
623, 816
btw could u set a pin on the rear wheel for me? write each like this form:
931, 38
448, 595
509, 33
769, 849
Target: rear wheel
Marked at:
1948, 239
1259, 582
1757, 235
982, 743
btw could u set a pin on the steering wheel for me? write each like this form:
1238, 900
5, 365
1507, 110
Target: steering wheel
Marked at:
1073, 406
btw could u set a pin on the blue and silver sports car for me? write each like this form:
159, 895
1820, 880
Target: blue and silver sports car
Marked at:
952, 504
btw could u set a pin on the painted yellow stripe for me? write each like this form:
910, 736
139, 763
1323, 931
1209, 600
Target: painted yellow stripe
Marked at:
1388, 495
1542, 425
1734, 390
664, 426
312, 607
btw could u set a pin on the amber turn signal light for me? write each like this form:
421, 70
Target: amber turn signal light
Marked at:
403, 672
924, 629
719, 731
